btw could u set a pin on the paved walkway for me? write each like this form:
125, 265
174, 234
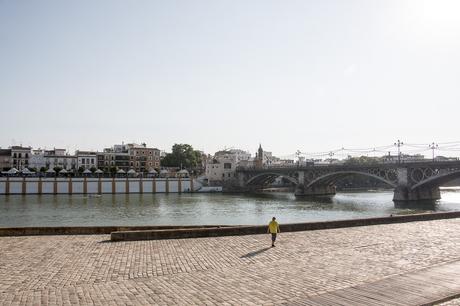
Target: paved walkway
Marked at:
411, 263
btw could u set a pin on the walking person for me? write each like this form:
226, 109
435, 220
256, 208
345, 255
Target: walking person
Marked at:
273, 228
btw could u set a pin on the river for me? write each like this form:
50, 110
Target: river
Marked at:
209, 209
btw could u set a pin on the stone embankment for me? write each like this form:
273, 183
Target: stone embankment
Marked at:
261, 229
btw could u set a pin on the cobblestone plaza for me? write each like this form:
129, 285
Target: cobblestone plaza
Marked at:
401, 264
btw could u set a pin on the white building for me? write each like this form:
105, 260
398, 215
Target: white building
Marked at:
220, 169
403, 158
223, 165
60, 159
86, 159
37, 159
20, 157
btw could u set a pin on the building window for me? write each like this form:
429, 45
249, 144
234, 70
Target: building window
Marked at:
227, 166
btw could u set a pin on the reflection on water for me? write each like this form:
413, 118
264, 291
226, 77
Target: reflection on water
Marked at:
211, 209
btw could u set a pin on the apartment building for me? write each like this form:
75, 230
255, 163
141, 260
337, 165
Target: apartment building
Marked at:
86, 159
20, 157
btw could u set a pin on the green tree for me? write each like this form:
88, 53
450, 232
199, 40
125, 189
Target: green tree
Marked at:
43, 169
93, 169
362, 160
182, 155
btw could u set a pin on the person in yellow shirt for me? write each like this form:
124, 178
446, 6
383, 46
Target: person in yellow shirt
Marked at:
273, 228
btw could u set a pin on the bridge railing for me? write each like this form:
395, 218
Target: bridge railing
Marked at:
414, 163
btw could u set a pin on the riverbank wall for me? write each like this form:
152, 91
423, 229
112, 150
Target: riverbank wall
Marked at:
84, 185
132, 233
262, 229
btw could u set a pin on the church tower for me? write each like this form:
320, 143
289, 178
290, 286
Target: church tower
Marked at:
259, 160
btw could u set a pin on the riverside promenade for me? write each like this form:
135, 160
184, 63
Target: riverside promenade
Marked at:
395, 264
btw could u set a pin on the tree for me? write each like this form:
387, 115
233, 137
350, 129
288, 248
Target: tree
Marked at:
362, 160
43, 169
113, 170
182, 156
93, 169
81, 169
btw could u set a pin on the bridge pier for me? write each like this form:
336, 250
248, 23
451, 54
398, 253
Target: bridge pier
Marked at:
315, 191
403, 193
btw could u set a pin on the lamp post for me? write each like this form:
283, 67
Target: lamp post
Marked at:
399, 144
330, 156
433, 146
298, 158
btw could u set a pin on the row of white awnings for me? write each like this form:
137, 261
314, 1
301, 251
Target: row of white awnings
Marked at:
87, 171
16, 171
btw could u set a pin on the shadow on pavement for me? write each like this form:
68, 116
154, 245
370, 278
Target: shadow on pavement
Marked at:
106, 241
254, 253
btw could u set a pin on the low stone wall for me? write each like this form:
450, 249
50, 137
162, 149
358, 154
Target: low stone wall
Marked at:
86, 230
120, 233
251, 230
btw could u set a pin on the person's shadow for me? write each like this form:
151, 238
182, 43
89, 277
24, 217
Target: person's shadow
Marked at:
254, 253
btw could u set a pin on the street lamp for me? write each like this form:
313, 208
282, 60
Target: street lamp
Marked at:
433, 147
399, 144
298, 158
330, 156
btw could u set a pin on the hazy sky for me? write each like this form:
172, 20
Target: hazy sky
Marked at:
292, 75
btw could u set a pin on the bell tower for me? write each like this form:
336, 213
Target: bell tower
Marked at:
259, 160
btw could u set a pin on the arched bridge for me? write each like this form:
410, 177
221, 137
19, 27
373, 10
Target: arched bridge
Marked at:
411, 181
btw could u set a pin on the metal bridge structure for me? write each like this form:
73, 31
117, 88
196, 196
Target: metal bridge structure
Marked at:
411, 181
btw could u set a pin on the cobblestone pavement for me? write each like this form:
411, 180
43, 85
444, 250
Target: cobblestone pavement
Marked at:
455, 302
82, 270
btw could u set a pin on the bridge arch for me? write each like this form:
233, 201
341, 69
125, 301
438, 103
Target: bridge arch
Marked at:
437, 181
263, 178
330, 178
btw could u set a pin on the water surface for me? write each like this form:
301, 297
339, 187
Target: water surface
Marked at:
197, 209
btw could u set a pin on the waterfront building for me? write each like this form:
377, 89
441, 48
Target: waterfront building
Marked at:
20, 157
125, 157
142, 159
86, 159
113, 159
5, 159
223, 165
58, 158
37, 159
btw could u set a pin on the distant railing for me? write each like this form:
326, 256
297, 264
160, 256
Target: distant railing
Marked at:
346, 164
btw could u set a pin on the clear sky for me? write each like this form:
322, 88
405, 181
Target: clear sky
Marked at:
292, 75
